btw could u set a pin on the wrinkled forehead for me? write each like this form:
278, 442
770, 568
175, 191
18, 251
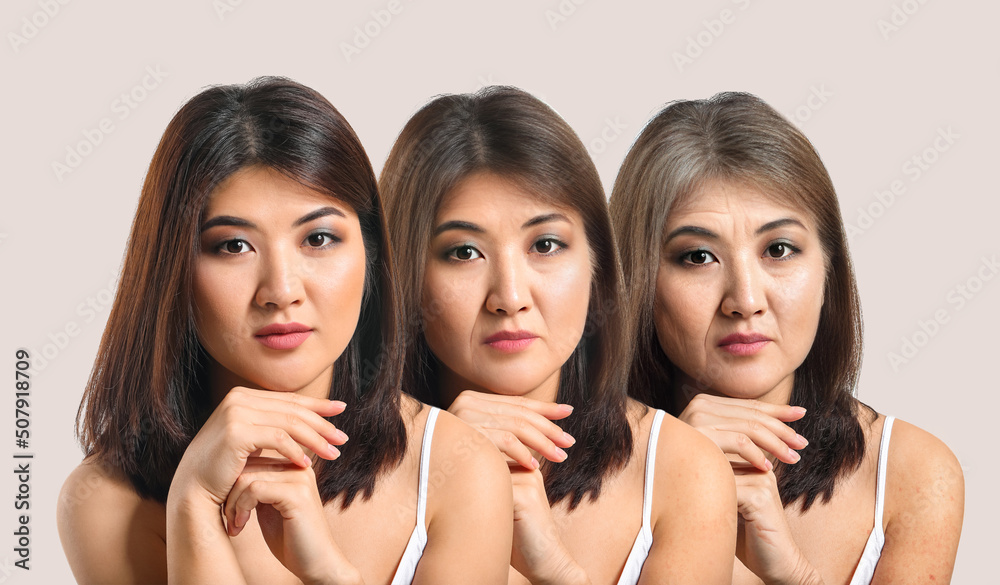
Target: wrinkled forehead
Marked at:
740, 193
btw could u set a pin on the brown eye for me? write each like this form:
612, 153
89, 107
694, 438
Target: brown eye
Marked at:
464, 253
779, 250
698, 257
317, 240
548, 246
236, 246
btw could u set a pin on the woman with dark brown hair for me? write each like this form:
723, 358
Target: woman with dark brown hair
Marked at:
256, 302
511, 282
748, 327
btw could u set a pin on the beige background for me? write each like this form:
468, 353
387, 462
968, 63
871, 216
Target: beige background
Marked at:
870, 99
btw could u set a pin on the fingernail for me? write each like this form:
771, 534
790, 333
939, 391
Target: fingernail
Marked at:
306, 461
242, 518
569, 438
802, 440
799, 409
335, 452
768, 464
341, 435
339, 403
567, 407
794, 455
562, 454
534, 463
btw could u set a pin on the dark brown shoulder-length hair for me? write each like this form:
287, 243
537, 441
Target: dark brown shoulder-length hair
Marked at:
736, 137
147, 396
513, 135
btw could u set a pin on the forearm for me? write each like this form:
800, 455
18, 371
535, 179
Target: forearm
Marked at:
562, 570
198, 548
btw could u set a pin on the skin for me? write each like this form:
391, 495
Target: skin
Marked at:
502, 259
738, 260
301, 262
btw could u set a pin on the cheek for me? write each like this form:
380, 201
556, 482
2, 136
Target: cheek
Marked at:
219, 297
450, 304
339, 289
682, 312
563, 299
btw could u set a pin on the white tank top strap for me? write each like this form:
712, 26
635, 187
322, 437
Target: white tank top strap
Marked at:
647, 492
644, 540
883, 461
407, 567
876, 540
425, 465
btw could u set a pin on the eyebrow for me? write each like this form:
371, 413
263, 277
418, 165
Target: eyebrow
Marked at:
471, 227
229, 220
700, 231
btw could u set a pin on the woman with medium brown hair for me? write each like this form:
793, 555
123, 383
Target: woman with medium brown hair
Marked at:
256, 302
748, 325
511, 282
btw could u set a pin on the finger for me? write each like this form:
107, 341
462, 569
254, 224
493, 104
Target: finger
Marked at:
741, 445
511, 447
305, 427
780, 411
765, 430
511, 416
268, 483
548, 410
310, 410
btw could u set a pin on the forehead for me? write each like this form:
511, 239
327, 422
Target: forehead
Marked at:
485, 197
265, 193
720, 200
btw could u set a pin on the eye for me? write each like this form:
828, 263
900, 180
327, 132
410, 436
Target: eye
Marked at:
233, 247
548, 246
464, 253
697, 257
320, 240
780, 250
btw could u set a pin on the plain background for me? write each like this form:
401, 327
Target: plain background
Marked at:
870, 97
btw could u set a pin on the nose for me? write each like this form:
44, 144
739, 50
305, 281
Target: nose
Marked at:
745, 290
280, 283
509, 290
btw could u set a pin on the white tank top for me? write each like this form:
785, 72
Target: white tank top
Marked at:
644, 540
873, 548
418, 539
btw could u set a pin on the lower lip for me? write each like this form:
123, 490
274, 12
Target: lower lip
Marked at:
284, 340
745, 349
511, 345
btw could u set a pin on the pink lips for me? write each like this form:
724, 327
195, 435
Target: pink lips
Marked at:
744, 344
510, 341
283, 335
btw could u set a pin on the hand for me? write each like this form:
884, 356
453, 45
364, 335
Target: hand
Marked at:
747, 428
291, 518
764, 542
246, 422
516, 425
537, 552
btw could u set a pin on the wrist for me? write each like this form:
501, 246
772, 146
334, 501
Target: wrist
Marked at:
802, 573
566, 571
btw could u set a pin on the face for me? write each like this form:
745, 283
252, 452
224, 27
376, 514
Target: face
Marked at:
279, 279
738, 292
506, 289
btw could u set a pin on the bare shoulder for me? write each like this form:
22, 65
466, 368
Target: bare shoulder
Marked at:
681, 449
469, 508
109, 533
923, 476
694, 509
469, 462
924, 506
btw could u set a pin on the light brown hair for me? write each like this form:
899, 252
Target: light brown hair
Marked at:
737, 138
